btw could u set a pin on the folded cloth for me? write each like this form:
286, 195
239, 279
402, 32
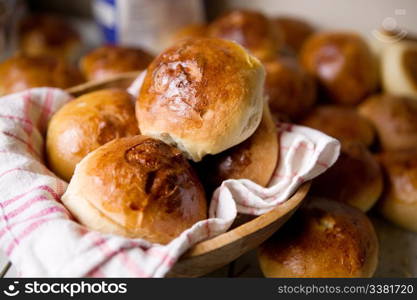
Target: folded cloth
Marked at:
42, 240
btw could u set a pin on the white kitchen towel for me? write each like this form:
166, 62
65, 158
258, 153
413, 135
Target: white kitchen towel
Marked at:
41, 238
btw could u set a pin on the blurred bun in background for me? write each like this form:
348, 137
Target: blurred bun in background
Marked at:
323, 239
43, 34
84, 124
355, 179
394, 119
290, 89
22, 72
294, 31
399, 202
203, 96
343, 64
342, 123
190, 31
136, 187
109, 60
252, 30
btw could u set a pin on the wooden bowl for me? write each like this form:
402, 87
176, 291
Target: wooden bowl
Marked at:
214, 253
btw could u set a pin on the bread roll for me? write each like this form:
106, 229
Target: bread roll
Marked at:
136, 187
190, 32
254, 159
85, 124
342, 123
355, 178
291, 91
295, 31
202, 95
50, 36
399, 69
394, 119
324, 239
399, 202
109, 60
250, 29
22, 72
343, 64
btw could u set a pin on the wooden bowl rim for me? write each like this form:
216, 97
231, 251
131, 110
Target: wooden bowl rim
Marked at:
251, 226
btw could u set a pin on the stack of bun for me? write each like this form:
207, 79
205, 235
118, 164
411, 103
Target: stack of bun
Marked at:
127, 160
205, 113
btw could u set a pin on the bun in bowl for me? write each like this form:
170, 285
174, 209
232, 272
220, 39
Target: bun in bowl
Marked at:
324, 239
84, 124
136, 187
202, 95
254, 159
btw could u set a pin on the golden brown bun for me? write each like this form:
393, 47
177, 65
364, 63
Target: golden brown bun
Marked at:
254, 159
355, 178
190, 32
22, 72
109, 60
250, 29
202, 95
85, 124
48, 35
291, 90
295, 31
394, 119
324, 239
342, 123
136, 187
343, 64
399, 203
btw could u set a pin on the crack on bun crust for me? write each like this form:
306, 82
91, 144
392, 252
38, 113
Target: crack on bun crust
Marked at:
140, 188
202, 95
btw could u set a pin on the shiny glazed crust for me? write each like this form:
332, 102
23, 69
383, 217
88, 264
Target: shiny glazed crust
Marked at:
137, 187
86, 123
324, 239
202, 95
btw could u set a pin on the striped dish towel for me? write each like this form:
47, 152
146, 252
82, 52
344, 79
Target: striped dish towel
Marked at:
42, 240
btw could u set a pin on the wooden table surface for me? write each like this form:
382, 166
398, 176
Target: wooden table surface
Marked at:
398, 256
